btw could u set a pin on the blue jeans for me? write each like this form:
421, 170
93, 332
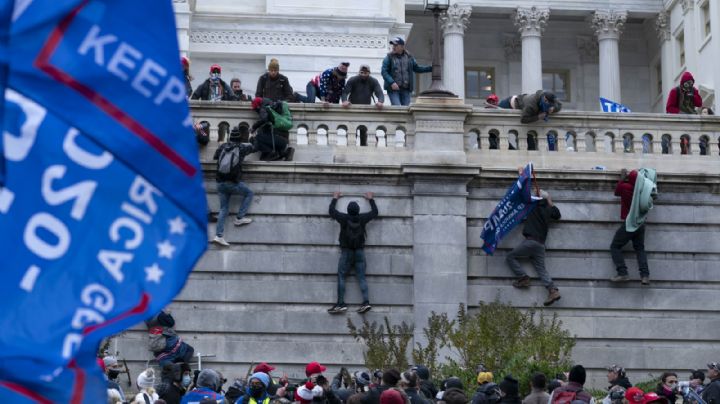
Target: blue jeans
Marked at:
347, 256
400, 97
225, 190
311, 91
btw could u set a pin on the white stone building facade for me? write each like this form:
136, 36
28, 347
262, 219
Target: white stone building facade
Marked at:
631, 51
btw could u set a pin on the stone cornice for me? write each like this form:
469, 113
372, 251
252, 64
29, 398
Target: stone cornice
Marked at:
512, 44
662, 26
687, 5
456, 19
609, 23
274, 38
531, 21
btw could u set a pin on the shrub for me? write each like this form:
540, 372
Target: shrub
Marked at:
384, 349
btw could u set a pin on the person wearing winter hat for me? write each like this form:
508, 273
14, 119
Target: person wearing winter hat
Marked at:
535, 232
398, 72
307, 392
427, 387
273, 85
228, 177
112, 370
256, 390
352, 248
454, 395
635, 395
214, 88
328, 86
145, 383
573, 389
393, 396
616, 376
711, 393
487, 391
185, 62
684, 98
510, 390
208, 382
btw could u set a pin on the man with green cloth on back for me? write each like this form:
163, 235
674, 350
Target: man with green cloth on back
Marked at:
637, 190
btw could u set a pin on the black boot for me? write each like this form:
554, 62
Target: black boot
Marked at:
289, 153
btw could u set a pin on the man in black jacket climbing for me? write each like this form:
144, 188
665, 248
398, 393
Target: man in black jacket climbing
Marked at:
533, 247
352, 244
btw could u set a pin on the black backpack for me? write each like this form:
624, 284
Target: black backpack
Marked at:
355, 234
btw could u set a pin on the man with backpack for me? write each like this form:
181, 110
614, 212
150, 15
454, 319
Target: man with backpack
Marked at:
271, 129
487, 391
352, 244
230, 156
163, 341
572, 392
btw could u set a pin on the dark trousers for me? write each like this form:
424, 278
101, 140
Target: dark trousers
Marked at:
348, 257
621, 238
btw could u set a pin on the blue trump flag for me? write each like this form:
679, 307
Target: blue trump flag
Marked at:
512, 209
612, 106
103, 210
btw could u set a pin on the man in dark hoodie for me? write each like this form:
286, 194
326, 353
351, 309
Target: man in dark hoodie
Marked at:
427, 387
625, 189
409, 384
270, 141
684, 98
535, 232
390, 379
534, 106
171, 389
573, 390
352, 244
510, 391
487, 391
361, 88
616, 377
208, 382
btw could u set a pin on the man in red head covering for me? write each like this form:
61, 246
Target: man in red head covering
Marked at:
684, 98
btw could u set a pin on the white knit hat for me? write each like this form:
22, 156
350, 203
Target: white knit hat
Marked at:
146, 379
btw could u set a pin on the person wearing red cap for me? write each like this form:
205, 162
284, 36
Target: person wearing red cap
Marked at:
492, 101
393, 396
186, 72
214, 88
317, 388
635, 395
264, 367
684, 98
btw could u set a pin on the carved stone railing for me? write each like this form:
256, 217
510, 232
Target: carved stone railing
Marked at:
460, 135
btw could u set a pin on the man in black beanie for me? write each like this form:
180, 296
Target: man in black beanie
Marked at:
573, 390
352, 244
390, 379
510, 391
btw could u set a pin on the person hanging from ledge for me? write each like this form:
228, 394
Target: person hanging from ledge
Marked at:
536, 106
637, 190
684, 98
352, 244
271, 129
535, 232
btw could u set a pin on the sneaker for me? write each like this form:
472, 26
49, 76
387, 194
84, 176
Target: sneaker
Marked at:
240, 222
221, 241
212, 217
645, 280
553, 296
364, 308
620, 278
337, 309
522, 282
289, 153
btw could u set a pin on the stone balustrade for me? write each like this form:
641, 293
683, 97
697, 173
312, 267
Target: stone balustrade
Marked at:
571, 139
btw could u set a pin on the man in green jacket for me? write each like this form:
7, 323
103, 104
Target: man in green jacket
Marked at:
398, 70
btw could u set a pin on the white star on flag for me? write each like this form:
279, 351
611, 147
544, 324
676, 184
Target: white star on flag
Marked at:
154, 273
177, 226
165, 249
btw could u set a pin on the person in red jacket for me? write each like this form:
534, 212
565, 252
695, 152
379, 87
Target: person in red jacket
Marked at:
624, 189
684, 98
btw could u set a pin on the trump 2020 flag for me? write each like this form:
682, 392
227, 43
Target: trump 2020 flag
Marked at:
513, 208
103, 213
612, 106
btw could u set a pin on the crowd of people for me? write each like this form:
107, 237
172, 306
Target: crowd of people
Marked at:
178, 384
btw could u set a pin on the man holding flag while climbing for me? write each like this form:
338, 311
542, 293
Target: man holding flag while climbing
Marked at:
101, 200
519, 203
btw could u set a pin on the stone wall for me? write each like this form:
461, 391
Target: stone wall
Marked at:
264, 298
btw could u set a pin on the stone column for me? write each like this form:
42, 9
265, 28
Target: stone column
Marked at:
662, 25
531, 24
608, 26
689, 34
454, 22
440, 255
182, 22
715, 32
